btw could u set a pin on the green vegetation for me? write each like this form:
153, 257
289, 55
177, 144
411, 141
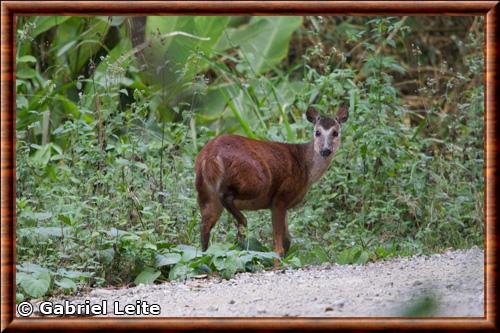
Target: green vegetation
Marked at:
111, 113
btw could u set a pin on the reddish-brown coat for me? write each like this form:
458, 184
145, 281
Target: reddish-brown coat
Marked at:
238, 173
257, 173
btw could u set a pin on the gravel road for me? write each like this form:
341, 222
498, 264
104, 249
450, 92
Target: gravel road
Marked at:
451, 284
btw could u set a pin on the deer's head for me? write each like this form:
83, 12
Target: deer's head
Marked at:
327, 130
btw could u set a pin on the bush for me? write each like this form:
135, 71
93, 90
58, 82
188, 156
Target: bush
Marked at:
106, 142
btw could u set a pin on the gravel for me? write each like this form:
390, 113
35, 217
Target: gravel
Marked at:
453, 281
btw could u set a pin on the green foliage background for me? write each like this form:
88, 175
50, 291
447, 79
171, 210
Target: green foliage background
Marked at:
111, 112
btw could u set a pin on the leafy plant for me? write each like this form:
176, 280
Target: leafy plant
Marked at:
112, 111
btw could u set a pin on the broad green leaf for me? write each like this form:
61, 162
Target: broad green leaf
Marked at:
89, 36
122, 161
294, 262
363, 258
147, 276
42, 156
150, 246
182, 34
164, 245
66, 219
253, 244
21, 101
31, 268
19, 298
44, 23
37, 285
112, 20
354, 254
172, 43
107, 255
26, 58
179, 272
66, 284
188, 252
73, 275
20, 276
264, 255
141, 166
218, 249
202, 269
320, 254
56, 148
25, 73
115, 233
119, 57
344, 257
66, 48
237, 114
380, 252
167, 259
264, 41
219, 263
213, 104
230, 267
44, 232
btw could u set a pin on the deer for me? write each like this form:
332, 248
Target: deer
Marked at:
239, 173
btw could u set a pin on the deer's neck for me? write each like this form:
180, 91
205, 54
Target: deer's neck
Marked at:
315, 164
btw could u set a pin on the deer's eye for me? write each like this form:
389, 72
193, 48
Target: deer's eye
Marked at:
335, 134
318, 133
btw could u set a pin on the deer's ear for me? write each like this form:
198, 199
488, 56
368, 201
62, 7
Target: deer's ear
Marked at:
312, 115
342, 114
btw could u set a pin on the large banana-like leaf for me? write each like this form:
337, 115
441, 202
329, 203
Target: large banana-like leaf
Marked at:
44, 23
241, 111
166, 55
78, 40
173, 40
264, 40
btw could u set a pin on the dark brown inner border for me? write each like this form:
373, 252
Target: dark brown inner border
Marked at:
10, 9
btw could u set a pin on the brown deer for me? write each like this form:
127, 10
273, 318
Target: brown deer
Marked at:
238, 173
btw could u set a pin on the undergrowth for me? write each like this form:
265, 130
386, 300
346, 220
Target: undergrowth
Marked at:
104, 176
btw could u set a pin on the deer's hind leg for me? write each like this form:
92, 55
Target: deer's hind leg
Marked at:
228, 203
210, 213
210, 208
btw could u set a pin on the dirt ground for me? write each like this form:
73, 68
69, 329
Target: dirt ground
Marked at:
449, 284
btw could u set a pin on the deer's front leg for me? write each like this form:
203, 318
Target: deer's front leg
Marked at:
279, 229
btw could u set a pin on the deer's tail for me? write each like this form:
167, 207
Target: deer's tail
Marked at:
210, 173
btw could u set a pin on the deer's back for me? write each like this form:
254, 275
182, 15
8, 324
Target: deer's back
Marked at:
252, 171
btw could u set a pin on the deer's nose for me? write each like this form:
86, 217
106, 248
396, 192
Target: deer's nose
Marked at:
326, 152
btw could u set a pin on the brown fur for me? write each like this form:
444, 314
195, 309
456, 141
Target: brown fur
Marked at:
238, 173
327, 123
